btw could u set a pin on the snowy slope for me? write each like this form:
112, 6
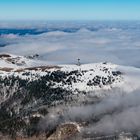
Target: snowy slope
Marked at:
14, 61
87, 77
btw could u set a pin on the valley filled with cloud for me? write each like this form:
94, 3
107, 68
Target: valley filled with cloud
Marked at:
64, 42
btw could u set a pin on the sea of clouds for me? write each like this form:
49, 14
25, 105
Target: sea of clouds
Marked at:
63, 42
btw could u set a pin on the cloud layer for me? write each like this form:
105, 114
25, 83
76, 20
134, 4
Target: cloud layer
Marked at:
112, 114
65, 42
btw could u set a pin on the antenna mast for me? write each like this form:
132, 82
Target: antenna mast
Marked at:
78, 62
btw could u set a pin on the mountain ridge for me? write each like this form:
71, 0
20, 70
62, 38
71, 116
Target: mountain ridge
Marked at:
29, 91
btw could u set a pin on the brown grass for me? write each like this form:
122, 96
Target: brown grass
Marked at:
42, 68
6, 69
4, 55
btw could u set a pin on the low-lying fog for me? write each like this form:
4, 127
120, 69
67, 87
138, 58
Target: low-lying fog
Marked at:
64, 42
118, 112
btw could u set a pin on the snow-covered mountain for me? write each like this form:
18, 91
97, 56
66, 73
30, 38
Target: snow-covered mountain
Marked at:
15, 62
86, 77
29, 88
83, 78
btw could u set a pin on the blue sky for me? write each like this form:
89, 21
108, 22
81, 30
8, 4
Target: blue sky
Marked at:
70, 9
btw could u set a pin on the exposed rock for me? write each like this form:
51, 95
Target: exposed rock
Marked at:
65, 132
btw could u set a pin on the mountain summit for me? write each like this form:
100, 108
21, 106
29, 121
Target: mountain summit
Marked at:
29, 92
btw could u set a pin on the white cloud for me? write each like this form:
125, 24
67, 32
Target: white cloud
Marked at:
117, 43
